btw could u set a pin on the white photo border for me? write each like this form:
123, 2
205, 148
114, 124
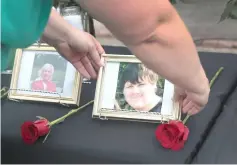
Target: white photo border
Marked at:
16, 93
152, 117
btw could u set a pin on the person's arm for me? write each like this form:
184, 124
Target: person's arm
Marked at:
80, 48
155, 33
56, 30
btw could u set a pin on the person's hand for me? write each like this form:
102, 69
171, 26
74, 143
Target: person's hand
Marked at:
83, 51
192, 103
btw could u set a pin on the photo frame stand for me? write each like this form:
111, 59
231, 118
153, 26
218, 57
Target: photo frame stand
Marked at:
163, 118
38, 91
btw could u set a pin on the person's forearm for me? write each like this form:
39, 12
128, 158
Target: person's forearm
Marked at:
154, 33
56, 29
170, 51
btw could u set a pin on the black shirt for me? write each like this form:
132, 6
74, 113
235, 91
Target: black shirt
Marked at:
157, 108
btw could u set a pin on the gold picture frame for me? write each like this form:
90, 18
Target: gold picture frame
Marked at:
108, 91
27, 82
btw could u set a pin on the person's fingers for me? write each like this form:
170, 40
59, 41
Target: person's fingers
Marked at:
88, 66
81, 69
194, 110
95, 56
177, 97
96, 66
75, 59
186, 101
188, 107
178, 94
102, 60
198, 109
95, 51
191, 111
99, 48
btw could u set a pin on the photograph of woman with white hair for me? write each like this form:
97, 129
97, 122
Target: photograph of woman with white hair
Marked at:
48, 73
138, 88
44, 81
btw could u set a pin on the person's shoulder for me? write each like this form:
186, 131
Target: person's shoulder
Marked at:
15, 27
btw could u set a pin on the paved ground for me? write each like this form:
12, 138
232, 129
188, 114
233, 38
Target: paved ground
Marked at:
201, 17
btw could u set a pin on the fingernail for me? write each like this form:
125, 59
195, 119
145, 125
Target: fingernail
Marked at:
190, 113
94, 76
102, 62
87, 77
185, 110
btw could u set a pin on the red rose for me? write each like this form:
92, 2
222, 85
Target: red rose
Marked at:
172, 135
31, 131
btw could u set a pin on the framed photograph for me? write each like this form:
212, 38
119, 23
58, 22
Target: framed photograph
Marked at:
42, 74
127, 90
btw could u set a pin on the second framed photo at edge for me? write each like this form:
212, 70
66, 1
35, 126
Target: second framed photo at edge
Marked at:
42, 74
127, 90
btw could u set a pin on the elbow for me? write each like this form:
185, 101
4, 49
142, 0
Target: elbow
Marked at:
158, 28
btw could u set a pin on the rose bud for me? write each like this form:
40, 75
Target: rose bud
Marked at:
31, 131
172, 135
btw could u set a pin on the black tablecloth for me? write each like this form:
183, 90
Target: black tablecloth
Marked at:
220, 147
81, 139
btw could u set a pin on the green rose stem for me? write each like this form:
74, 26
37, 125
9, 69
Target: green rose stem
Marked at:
211, 83
4, 89
61, 119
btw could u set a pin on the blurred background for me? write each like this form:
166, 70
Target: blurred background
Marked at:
212, 23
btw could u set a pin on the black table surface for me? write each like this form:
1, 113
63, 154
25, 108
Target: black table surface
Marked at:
81, 139
220, 147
